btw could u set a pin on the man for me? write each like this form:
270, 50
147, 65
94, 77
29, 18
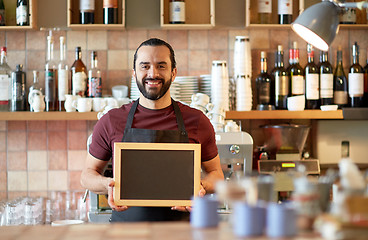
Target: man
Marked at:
154, 117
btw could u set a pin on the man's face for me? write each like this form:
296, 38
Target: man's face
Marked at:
153, 71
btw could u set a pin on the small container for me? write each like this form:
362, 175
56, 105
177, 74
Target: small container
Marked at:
204, 213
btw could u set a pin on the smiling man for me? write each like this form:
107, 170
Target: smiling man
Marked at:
154, 117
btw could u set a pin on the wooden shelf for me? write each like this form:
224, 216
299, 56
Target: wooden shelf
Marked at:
46, 116
10, 16
284, 114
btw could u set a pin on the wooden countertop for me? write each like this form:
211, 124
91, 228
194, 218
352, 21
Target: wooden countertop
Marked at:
152, 231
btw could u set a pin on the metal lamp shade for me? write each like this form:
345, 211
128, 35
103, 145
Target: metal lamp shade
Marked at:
318, 24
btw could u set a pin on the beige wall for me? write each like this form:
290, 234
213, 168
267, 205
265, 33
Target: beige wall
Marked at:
55, 162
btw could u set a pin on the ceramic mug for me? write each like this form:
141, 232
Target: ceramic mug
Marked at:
204, 212
249, 220
111, 102
200, 99
98, 104
69, 101
36, 100
83, 104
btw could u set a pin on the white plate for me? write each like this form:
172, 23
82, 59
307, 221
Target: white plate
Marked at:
66, 222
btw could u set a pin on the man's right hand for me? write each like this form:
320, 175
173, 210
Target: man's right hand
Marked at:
110, 198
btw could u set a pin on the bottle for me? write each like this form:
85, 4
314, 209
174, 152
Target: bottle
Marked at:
110, 11
63, 73
281, 77
264, 11
326, 79
51, 83
94, 86
296, 73
348, 15
2, 13
365, 96
87, 11
264, 86
35, 86
356, 80
311, 81
5, 82
340, 82
22, 14
18, 85
79, 74
285, 11
177, 11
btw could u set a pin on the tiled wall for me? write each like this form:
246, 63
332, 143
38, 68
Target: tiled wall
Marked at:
41, 156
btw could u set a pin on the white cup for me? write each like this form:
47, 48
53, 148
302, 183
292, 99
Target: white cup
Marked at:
200, 99
111, 102
122, 101
119, 91
69, 101
296, 103
98, 104
83, 104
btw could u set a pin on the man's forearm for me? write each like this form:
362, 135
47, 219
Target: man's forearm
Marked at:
210, 180
94, 181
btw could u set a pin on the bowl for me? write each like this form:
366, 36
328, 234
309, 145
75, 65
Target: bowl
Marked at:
119, 91
296, 103
328, 107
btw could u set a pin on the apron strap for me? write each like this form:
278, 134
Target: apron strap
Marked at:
131, 114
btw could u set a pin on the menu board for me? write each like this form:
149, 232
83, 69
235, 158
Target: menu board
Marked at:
156, 174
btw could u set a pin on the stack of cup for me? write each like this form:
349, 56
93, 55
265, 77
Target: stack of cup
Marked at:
216, 114
242, 56
220, 84
200, 101
244, 96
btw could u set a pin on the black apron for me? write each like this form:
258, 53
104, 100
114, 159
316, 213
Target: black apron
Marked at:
138, 214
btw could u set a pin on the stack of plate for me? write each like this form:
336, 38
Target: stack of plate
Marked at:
188, 87
175, 90
205, 84
134, 91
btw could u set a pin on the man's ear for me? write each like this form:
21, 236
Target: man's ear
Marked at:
174, 72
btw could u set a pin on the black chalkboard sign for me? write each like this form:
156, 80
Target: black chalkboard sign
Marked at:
156, 174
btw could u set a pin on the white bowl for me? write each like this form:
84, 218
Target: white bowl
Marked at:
328, 107
296, 103
66, 222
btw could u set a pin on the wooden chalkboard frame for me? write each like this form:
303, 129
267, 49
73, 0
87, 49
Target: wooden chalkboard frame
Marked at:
194, 150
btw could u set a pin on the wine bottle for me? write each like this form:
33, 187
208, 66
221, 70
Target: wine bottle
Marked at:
326, 79
311, 81
281, 78
51, 83
94, 86
177, 11
110, 11
340, 82
63, 73
87, 11
296, 72
35, 86
264, 86
5, 82
79, 74
2, 13
285, 11
356, 80
22, 14
264, 11
365, 96
18, 96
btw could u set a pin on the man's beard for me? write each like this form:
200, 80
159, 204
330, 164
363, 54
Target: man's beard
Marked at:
153, 95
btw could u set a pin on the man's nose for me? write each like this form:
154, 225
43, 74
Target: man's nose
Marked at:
153, 72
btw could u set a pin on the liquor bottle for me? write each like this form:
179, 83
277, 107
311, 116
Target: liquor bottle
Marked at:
365, 96
79, 74
35, 86
22, 14
110, 11
177, 11
340, 82
281, 77
265, 88
5, 82
2, 13
326, 79
264, 11
311, 81
94, 86
87, 11
18, 85
63, 73
285, 11
296, 73
51, 83
356, 80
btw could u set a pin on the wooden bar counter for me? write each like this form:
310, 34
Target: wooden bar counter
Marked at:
141, 231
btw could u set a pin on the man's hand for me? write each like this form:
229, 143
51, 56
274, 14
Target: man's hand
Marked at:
110, 198
201, 193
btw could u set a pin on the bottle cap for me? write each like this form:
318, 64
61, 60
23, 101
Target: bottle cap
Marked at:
78, 49
279, 48
3, 49
19, 67
263, 54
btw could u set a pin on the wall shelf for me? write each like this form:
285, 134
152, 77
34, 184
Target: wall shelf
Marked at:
10, 16
284, 114
46, 116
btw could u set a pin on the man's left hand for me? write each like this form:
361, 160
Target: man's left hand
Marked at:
201, 193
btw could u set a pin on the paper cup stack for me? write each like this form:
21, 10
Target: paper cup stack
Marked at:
244, 98
220, 84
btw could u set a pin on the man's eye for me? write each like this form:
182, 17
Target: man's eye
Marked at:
161, 67
144, 66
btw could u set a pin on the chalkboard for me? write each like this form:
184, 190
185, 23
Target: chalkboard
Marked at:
156, 174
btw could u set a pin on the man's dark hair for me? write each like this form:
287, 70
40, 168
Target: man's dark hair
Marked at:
156, 42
